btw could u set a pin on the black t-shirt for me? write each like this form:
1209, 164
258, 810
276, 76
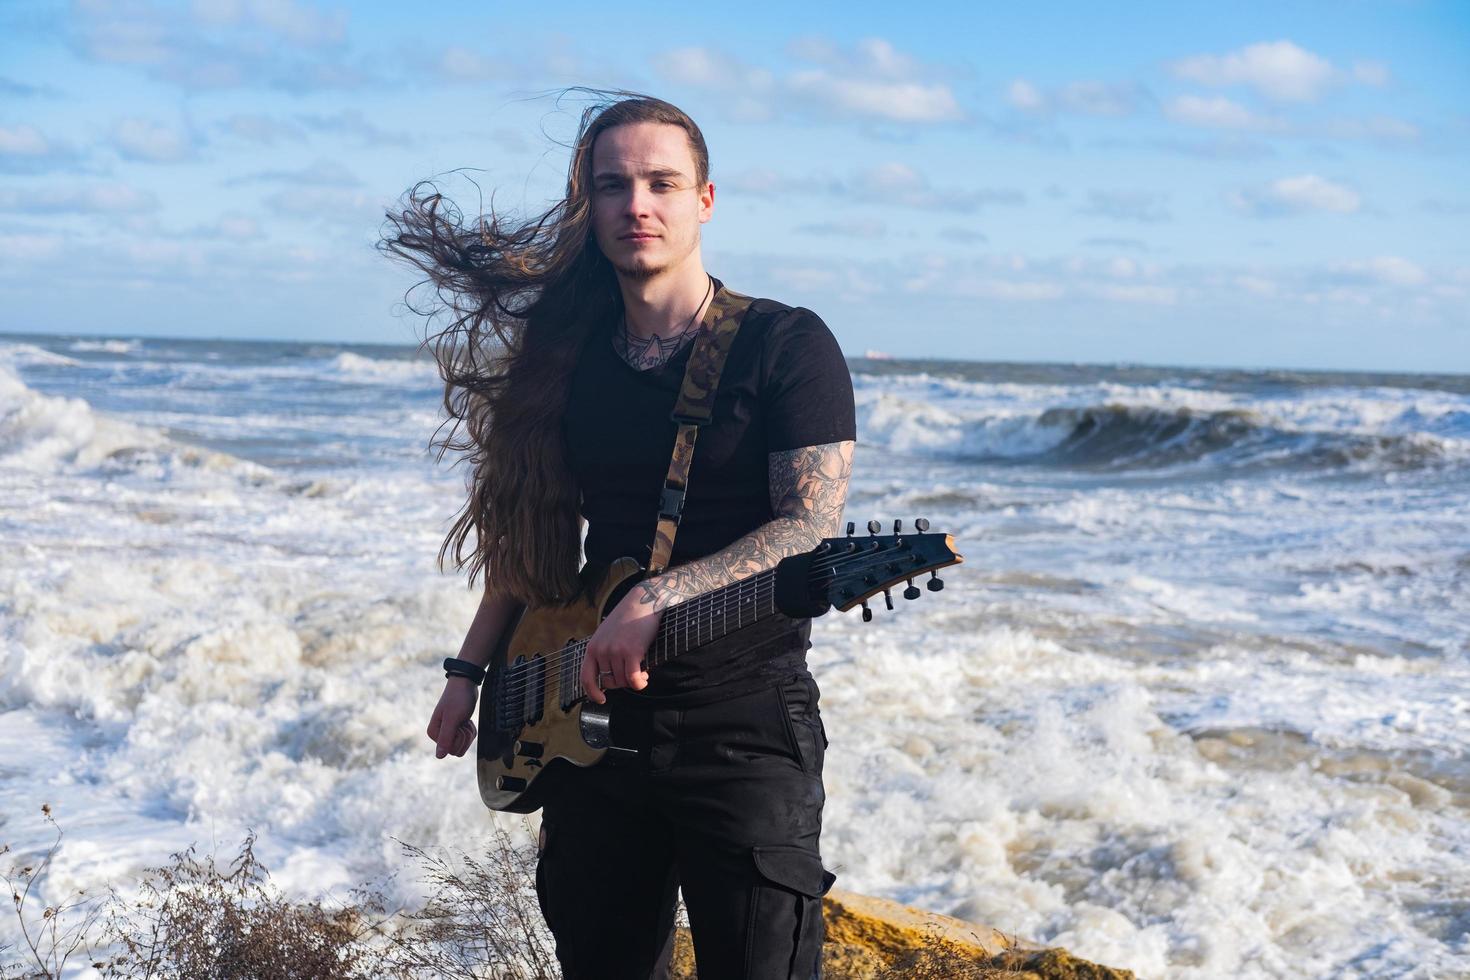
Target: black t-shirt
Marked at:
785, 385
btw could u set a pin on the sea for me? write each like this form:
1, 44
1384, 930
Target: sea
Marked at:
1196, 704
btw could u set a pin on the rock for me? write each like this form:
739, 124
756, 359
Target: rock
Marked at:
891, 929
874, 938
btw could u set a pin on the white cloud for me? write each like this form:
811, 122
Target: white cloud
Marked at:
901, 185
892, 101
1143, 206
258, 128
1374, 129
233, 227
298, 23
1100, 98
330, 205
463, 64
847, 228
266, 43
1258, 285
23, 141
1389, 270
1025, 96
98, 199
24, 149
892, 184
872, 80
1218, 112
1278, 70
1151, 295
23, 248
1292, 195
141, 139
1088, 98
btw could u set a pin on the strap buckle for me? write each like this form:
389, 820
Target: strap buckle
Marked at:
671, 503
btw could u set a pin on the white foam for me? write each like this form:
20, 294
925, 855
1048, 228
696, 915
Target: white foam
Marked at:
396, 370
1049, 745
106, 346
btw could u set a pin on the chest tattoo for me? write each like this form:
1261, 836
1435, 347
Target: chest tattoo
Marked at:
647, 354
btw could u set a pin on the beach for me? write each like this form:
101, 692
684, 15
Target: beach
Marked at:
1197, 704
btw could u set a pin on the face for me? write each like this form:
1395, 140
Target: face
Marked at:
647, 205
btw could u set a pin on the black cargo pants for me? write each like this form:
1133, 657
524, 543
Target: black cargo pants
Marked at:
724, 801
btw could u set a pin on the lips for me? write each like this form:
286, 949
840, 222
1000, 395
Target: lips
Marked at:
638, 236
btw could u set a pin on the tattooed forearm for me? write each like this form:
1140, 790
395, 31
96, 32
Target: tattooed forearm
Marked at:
808, 487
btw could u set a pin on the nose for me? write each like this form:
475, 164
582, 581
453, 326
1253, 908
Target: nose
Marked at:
638, 201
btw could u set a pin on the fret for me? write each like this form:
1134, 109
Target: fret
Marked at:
704, 619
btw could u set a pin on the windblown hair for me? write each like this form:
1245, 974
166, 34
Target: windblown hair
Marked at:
521, 298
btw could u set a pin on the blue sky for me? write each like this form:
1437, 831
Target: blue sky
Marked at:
1243, 184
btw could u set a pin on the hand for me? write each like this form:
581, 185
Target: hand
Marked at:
620, 645
450, 727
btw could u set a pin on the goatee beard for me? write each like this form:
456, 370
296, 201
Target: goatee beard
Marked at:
640, 272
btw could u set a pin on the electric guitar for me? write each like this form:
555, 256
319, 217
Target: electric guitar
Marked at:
533, 710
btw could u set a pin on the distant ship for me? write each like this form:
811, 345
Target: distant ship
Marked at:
877, 355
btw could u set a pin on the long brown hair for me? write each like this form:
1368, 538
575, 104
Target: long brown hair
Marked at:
521, 298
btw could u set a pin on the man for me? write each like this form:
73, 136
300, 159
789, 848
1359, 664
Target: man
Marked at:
722, 793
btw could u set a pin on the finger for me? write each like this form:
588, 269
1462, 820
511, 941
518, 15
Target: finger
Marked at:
589, 681
445, 742
463, 737
638, 679
619, 667
434, 721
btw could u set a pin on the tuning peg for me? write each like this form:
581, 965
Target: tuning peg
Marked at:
850, 528
912, 592
888, 598
935, 583
867, 613
922, 525
874, 527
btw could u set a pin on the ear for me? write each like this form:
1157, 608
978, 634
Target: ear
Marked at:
706, 202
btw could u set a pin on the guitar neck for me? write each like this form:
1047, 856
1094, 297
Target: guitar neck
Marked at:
704, 619
839, 573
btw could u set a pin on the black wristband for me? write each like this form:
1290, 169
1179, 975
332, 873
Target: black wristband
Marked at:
454, 667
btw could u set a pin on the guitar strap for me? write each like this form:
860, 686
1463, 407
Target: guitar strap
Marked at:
695, 407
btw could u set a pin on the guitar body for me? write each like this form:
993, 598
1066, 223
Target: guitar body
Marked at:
534, 715
514, 754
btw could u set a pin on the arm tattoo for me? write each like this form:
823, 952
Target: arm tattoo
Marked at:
808, 487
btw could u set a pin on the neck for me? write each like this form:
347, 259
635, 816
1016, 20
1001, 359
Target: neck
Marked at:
663, 305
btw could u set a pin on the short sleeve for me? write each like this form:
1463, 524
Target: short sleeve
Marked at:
807, 395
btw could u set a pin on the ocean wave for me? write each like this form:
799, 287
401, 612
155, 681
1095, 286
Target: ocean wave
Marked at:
1123, 436
105, 346
396, 370
20, 353
43, 433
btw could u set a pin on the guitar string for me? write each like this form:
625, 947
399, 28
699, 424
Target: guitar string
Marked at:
689, 613
695, 622
685, 615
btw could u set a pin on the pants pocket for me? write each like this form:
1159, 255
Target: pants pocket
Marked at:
784, 930
804, 724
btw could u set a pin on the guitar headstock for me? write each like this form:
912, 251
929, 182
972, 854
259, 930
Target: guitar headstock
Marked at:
857, 568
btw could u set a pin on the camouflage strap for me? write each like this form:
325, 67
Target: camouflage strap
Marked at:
695, 407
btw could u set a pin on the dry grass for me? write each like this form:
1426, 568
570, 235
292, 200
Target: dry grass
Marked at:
56, 933
194, 919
